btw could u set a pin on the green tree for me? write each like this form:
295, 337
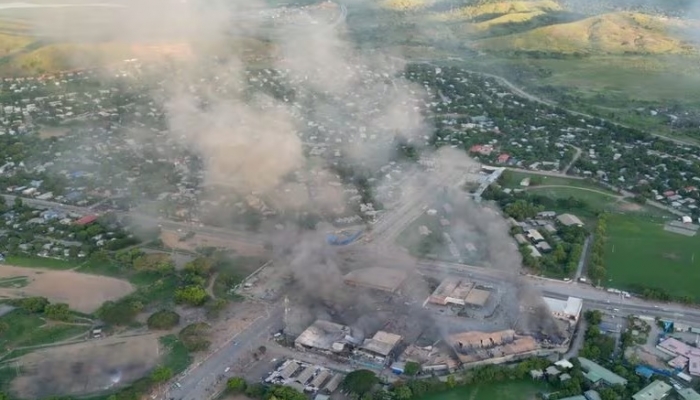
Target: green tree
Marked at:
58, 312
161, 374
195, 336
192, 295
360, 382
163, 319
34, 305
201, 266
236, 385
402, 392
411, 368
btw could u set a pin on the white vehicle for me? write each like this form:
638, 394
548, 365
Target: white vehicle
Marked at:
227, 369
178, 385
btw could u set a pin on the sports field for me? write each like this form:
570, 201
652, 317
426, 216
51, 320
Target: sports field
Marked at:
514, 390
640, 253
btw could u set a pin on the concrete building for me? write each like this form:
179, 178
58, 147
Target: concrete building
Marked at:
477, 297
324, 336
569, 220
385, 279
569, 310
597, 374
380, 347
656, 390
688, 394
451, 291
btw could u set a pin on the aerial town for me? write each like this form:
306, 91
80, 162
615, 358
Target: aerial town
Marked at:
336, 224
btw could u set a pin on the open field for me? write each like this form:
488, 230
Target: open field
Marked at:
640, 253
31, 330
613, 33
46, 132
514, 390
82, 292
171, 239
84, 368
512, 179
39, 262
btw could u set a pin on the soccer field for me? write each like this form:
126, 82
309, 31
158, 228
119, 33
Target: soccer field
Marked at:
513, 390
640, 253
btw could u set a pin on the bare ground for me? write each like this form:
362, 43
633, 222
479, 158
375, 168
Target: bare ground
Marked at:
172, 239
82, 292
87, 367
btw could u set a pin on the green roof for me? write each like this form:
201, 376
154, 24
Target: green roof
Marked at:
656, 390
688, 394
595, 373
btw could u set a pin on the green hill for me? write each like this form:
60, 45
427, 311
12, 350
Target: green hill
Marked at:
614, 33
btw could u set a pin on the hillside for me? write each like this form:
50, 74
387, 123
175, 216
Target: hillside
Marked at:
613, 33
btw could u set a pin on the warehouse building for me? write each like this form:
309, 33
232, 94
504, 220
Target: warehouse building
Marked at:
326, 337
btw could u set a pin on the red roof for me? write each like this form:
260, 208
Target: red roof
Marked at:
88, 219
669, 193
503, 158
476, 148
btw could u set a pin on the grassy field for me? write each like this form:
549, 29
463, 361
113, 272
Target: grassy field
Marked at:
517, 390
24, 329
512, 179
39, 262
640, 252
614, 33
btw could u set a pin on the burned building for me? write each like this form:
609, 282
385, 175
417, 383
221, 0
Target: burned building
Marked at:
459, 292
498, 346
325, 337
377, 278
379, 348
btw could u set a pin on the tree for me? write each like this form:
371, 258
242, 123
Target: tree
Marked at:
18, 204
158, 262
34, 305
161, 374
201, 266
360, 382
236, 385
593, 317
194, 336
193, 295
411, 368
402, 392
163, 319
58, 312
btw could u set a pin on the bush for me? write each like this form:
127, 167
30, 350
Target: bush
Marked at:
194, 336
236, 385
161, 374
121, 312
193, 295
163, 319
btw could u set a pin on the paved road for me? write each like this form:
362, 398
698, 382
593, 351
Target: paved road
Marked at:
584, 257
200, 380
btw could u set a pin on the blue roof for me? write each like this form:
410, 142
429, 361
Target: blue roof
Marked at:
644, 371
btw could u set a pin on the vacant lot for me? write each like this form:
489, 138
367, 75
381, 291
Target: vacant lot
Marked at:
82, 292
640, 253
172, 239
47, 132
87, 367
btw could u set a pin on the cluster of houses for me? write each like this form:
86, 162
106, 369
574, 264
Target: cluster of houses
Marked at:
547, 221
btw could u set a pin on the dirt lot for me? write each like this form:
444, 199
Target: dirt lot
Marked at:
82, 292
172, 239
87, 367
